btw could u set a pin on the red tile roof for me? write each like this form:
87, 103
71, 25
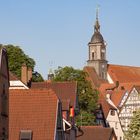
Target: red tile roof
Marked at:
117, 94
96, 133
34, 110
66, 91
103, 87
93, 77
124, 74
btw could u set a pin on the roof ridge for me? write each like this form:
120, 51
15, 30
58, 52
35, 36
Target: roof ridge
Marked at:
20, 92
123, 65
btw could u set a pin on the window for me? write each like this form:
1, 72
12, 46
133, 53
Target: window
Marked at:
102, 55
103, 75
93, 55
112, 112
26, 135
116, 125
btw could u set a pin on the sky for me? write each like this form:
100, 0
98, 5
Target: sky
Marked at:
57, 32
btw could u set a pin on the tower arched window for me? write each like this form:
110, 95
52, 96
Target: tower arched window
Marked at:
93, 55
102, 55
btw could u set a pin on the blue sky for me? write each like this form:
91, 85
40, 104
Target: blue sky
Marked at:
56, 32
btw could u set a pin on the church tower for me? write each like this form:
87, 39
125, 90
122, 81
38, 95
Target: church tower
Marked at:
97, 52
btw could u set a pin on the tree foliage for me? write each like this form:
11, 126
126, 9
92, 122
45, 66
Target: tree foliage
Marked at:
85, 118
87, 97
16, 57
133, 132
37, 77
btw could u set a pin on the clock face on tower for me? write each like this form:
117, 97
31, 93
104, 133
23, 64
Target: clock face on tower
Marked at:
103, 66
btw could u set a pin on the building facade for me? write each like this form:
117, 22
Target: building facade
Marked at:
4, 98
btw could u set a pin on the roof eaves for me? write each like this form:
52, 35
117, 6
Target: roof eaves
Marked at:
56, 119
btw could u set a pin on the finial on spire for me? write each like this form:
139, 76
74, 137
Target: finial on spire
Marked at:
97, 11
97, 25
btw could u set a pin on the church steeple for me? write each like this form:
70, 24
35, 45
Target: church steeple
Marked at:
97, 37
97, 51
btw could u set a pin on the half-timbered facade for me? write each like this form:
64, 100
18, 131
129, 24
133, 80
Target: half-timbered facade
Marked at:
130, 103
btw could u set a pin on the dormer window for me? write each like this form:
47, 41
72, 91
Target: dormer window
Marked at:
26, 135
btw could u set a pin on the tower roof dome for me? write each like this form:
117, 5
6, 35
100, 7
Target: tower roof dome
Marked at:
97, 38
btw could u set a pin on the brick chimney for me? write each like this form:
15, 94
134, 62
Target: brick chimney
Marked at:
24, 75
29, 74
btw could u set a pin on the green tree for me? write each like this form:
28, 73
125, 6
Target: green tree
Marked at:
37, 77
16, 57
87, 97
85, 118
133, 132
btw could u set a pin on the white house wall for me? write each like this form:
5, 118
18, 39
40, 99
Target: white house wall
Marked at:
114, 122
